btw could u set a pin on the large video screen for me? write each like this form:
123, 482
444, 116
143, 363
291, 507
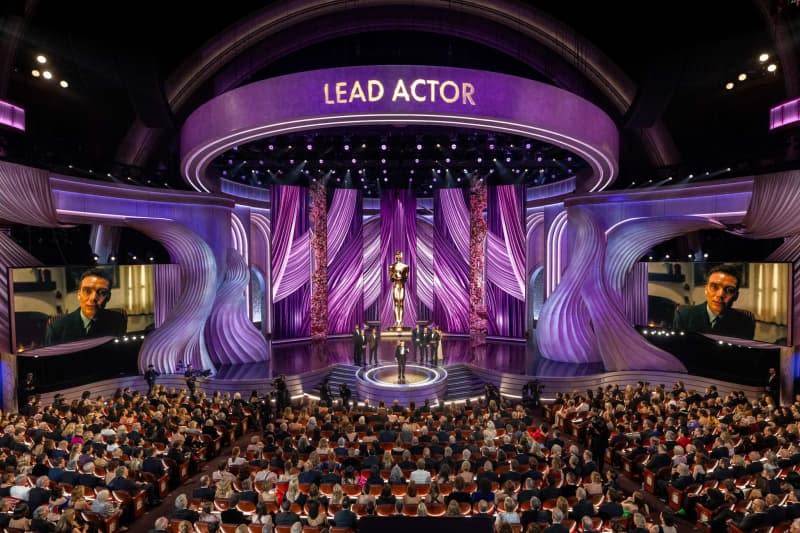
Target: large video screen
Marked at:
742, 300
54, 305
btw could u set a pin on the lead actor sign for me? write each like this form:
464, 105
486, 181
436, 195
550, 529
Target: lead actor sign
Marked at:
419, 90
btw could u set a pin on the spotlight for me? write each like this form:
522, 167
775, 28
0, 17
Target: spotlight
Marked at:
742, 76
453, 146
42, 59
383, 147
729, 85
705, 256
763, 58
480, 160
419, 147
666, 256
309, 147
346, 147
35, 73
772, 67
47, 75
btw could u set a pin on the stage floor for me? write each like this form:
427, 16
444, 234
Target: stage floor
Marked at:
502, 356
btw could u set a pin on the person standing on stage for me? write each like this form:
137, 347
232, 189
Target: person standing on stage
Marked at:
28, 389
191, 379
424, 343
416, 336
400, 353
325, 395
364, 344
373, 346
150, 376
358, 345
436, 337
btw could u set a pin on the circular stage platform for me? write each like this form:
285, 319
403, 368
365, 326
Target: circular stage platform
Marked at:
380, 383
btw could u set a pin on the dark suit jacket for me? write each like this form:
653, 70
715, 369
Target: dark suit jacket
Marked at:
205, 494
732, 323
345, 518
70, 327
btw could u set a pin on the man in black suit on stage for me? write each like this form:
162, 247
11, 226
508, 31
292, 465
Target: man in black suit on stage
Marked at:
400, 353
433, 345
372, 343
424, 343
91, 318
717, 315
358, 345
416, 340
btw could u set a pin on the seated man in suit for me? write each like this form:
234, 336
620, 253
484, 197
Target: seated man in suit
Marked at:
91, 319
717, 315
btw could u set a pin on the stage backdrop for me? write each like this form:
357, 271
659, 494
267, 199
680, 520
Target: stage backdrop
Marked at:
451, 261
398, 232
291, 262
345, 266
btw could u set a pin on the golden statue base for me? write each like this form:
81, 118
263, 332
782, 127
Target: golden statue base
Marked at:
397, 331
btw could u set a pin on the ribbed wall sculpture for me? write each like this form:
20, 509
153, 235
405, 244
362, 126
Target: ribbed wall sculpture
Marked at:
564, 332
260, 258
181, 337
629, 240
616, 340
345, 270
168, 280
25, 196
773, 206
451, 261
230, 335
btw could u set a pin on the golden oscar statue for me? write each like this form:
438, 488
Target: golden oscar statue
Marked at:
398, 274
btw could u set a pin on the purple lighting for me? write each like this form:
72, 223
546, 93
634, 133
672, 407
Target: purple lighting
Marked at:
784, 114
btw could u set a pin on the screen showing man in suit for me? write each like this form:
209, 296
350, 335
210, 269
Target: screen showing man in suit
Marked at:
90, 319
742, 300
54, 305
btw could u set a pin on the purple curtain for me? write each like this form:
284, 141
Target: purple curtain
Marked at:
291, 262
505, 257
372, 267
424, 268
345, 266
451, 261
398, 232
167, 278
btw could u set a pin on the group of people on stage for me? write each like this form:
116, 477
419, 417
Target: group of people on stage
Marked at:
365, 345
426, 344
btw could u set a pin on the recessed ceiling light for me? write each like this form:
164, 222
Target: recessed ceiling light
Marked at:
35, 73
763, 57
772, 67
47, 74
742, 76
41, 59
729, 85
64, 83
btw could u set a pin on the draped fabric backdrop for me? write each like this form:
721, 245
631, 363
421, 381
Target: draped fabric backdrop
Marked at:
291, 262
451, 261
167, 278
505, 257
398, 232
372, 270
345, 266
425, 274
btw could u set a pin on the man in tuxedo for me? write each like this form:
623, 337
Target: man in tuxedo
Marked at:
774, 386
400, 353
358, 345
717, 315
433, 345
416, 340
372, 343
91, 319
424, 343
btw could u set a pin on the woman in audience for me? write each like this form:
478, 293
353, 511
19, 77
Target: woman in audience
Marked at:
337, 495
78, 501
387, 461
224, 488
422, 510
411, 497
396, 476
453, 509
386, 496
433, 496
67, 523
465, 472
595, 485
508, 515
316, 515
483, 492
19, 518
207, 516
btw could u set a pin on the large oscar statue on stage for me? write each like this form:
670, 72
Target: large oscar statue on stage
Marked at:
398, 273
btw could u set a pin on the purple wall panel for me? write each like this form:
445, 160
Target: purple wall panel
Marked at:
371, 234
505, 261
451, 261
291, 265
398, 232
345, 266
425, 275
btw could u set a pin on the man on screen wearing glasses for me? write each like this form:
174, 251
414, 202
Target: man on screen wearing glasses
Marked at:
91, 319
717, 315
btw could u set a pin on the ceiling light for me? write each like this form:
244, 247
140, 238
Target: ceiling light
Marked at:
729, 85
763, 57
63, 84
772, 67
35, 73
47, 74
42, 59
742, 76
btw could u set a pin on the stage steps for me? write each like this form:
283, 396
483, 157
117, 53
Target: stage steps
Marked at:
339, 374
462, 383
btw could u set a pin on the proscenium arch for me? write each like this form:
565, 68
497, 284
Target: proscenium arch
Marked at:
307, 101
285, 20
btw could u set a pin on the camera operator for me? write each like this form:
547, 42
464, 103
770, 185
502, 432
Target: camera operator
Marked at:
325, 394
597, 435
191, 379
281, 392
532, 393
345, 394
